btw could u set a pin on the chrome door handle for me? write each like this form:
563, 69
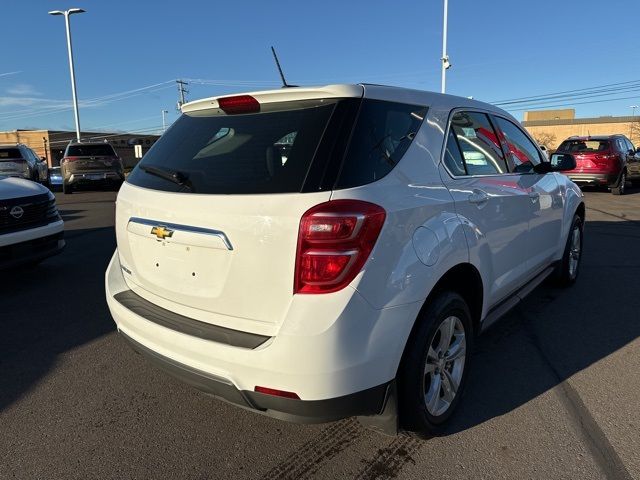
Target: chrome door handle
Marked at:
478, 197
534, 196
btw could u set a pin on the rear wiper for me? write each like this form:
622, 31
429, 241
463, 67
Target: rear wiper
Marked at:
174, 176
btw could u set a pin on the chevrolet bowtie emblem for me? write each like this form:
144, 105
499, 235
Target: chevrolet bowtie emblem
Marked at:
161, 232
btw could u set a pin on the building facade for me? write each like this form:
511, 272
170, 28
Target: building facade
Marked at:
551, 127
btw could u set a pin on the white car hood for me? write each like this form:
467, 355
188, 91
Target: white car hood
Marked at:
11, 187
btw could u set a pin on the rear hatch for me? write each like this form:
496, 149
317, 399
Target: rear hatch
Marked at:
12, 164
591, 156
207, 223
91, 158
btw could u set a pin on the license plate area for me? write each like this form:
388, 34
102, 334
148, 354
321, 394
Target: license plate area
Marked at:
176, 269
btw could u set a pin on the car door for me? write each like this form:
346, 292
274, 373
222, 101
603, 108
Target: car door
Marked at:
543, 190
489, 201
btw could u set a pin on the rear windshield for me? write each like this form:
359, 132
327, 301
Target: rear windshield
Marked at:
317, 147
13, 153
579, 146
101, 150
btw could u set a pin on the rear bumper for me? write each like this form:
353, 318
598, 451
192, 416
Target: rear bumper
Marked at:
593, 179
94, 177
338, 369
367, 402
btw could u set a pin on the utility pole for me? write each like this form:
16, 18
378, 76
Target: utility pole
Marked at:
182, 91
446, 65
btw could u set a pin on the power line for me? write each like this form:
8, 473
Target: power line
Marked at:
573, 103
574, 99
543, 96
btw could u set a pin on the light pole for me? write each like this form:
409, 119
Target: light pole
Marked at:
66, 14
446, 65
164, 123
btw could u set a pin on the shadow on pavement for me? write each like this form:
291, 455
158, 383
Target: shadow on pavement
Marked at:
52, 308
556, 333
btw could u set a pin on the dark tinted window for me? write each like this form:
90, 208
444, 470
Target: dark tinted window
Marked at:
295, 150
382, 135
478, 144
10, 153
524, 154
99, 150
580, 146
267, 152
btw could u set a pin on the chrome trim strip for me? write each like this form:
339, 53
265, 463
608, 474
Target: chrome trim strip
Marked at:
184, 228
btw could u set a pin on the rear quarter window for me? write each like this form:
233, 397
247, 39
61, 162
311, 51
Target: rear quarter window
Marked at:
382, 135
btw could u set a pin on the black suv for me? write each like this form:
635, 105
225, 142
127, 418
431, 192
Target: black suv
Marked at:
90, 163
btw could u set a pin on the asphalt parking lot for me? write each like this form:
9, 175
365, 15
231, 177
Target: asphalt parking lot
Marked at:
554, 392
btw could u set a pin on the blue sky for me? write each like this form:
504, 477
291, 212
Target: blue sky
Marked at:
128, 54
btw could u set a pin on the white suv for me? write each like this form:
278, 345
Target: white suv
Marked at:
318, 253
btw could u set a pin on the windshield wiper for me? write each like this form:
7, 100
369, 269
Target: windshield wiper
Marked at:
174, 176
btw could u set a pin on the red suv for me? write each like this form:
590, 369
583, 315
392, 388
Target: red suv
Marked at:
600, 161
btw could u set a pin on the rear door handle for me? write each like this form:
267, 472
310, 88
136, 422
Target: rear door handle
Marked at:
534, 196
478, 197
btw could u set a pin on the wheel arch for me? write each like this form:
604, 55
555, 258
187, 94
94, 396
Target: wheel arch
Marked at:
465, 280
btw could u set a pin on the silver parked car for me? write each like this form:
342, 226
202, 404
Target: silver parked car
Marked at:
18, 160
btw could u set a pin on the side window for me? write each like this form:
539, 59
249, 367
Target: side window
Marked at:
522, 152
477, 148
27, 154
624, 143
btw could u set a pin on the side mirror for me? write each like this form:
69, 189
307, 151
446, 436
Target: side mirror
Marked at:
638, 150
561, 162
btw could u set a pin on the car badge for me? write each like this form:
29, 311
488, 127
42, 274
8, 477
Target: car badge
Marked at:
16, 212
162, 232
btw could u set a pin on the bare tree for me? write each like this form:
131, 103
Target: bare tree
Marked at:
547, 139
634, 131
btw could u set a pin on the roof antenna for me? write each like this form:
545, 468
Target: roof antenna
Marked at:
284, 82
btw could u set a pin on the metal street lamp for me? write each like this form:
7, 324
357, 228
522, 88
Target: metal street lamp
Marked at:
446, 65
66, 14
164, 123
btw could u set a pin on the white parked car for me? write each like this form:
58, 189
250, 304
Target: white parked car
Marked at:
348, 274
30, 226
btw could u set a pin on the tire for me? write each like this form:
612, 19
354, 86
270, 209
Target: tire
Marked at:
66, 188
621, 187
567, 271
425, 398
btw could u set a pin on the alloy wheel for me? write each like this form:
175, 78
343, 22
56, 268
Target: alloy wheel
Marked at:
574, 251
444, 366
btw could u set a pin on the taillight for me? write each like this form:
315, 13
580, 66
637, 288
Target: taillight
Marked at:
334, 241
68, 159
239, 104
